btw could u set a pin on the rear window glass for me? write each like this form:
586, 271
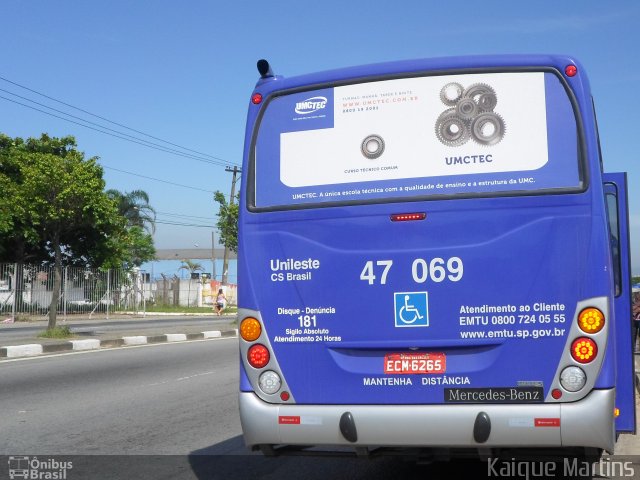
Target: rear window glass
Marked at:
412, 138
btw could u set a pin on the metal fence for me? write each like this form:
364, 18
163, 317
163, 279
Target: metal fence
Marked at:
193, 292
27, 289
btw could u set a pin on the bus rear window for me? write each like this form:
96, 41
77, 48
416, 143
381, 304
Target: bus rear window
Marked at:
415, 138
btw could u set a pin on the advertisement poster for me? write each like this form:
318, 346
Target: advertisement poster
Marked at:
439, 135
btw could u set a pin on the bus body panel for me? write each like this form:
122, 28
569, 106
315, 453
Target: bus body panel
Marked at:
328, 326
616, 191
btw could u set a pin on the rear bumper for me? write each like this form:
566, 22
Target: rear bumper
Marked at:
585, 423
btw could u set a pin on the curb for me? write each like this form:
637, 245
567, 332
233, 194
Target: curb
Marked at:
35, 349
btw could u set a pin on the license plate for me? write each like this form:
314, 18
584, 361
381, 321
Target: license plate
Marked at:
415, 363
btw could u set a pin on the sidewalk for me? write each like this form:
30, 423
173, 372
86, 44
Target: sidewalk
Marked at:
98, 332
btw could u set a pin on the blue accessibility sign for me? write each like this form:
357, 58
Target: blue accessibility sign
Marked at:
411, 309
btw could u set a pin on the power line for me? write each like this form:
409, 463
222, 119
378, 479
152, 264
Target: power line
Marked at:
158, 179
183, 215
115, 123
180, 224
162, 149
150, 144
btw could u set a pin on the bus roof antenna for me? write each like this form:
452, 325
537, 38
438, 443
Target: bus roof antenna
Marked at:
264, 69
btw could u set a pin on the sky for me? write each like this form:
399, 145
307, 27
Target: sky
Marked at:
183, 72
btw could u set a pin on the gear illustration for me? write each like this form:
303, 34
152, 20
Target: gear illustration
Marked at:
452, 130
372, 146
487, 102
472, 115
487, 128
466, 108
451, 93
474, 91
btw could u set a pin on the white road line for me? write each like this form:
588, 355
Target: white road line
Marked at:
180, 379
194, 376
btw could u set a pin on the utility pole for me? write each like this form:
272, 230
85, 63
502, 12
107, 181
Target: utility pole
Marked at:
225, 261
213, 254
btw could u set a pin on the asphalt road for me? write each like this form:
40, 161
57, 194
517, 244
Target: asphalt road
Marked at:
167, 399
160, 411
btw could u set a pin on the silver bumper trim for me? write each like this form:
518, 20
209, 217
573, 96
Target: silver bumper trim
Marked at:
586, 423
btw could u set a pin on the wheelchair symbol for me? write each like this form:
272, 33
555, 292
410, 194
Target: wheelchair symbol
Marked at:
411, 309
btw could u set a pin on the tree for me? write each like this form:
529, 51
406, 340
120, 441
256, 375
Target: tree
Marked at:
134, 206
227, 221
13, 216
140, 248
192, 267
140, 218
9, 176
58, 208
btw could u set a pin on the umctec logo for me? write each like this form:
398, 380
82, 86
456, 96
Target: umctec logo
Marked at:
311, 105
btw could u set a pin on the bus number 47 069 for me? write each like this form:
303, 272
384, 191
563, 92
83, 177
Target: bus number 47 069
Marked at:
436, 270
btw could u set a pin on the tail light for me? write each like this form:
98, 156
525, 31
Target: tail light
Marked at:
258, 356
269, 382
408, 217
573, 379
250, 329
591, 320
584, 350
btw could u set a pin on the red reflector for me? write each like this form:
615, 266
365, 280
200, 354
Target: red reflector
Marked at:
289, 420
284, 396
407, 217
546, 422
571, 70
258, 356
256, 98
556, 393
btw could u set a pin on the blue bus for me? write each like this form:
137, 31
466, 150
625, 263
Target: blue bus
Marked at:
431, 256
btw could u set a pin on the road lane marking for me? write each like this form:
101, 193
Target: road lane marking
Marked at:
180, 379
196, 375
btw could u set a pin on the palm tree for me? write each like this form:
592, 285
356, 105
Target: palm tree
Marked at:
192, 267
134, 206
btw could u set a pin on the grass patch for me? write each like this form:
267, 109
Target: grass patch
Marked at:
57, 332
